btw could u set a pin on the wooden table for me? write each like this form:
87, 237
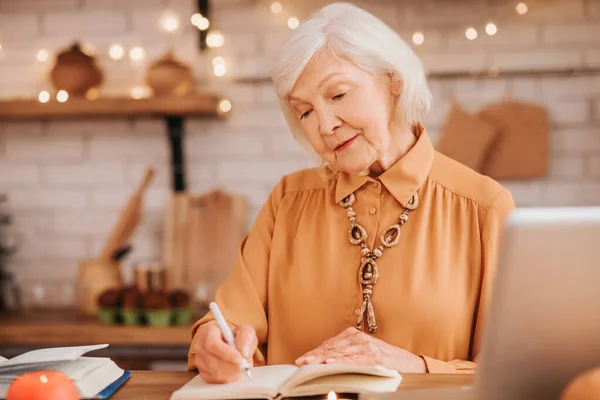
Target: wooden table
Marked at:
158, 385
131, 347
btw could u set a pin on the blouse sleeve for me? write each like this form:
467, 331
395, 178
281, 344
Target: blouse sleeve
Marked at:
242, 297
491, 234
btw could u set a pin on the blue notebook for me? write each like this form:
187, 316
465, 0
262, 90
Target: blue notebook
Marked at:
94, 377
112, 388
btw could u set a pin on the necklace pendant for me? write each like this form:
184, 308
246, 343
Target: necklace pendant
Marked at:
368, 273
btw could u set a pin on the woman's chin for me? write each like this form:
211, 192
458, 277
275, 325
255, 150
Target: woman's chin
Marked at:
354, 168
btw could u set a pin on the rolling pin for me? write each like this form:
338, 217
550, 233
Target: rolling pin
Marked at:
128, 221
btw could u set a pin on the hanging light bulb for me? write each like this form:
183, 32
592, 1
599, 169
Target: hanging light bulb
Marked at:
137, 53
491, 29
203, 24
218, 61
215, 39
169, 21
196, 18
44, 96
225, 105
418, 38
116, 51
471, 34
276, 7
293, 23
138, 92
220, 69
522, 8
42, 55
62, 96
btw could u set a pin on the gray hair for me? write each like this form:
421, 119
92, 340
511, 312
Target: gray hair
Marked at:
353, 34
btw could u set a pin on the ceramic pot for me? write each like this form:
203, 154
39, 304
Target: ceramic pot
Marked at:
75, 72
169, 77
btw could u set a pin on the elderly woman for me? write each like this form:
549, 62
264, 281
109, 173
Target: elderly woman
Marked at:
385, 254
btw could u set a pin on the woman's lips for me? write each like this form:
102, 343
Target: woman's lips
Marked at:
346, 144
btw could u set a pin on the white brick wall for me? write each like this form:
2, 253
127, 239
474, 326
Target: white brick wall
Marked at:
68, 180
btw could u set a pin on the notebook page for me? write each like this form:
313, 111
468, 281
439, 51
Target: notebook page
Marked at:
53, 354
346, 383
265, 382
312, 371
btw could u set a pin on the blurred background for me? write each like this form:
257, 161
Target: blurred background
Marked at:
98, 95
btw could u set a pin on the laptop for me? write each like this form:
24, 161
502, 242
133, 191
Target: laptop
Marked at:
543, 325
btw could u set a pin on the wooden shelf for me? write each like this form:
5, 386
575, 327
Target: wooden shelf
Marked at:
67, 328
200, 105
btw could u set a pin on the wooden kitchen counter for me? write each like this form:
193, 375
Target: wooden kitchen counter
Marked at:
158, 385
131, 347
67, 327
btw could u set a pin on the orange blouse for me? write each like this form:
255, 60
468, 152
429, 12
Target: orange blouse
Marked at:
296, 276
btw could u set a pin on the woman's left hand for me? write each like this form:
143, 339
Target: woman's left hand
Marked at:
355, 347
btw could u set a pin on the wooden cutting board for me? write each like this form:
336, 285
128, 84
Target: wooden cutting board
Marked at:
201, 248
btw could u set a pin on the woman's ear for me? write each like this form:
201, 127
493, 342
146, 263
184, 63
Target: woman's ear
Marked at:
395, 84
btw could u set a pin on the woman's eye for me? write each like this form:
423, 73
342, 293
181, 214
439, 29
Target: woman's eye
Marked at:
305, 114
339, 96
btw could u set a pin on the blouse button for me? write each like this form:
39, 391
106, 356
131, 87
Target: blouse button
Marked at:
375, 185
372, 211
357, 311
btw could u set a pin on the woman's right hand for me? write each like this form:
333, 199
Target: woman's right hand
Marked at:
216, 360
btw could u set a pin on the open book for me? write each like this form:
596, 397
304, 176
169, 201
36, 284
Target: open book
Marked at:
94, 377
277, 381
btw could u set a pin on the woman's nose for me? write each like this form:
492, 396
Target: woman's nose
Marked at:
328, 122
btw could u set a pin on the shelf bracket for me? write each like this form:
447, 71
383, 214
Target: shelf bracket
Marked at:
175, 135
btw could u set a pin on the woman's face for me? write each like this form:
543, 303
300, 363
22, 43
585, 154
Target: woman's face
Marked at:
345, 112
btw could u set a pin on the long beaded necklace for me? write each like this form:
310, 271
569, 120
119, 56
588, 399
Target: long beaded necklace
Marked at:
368, 272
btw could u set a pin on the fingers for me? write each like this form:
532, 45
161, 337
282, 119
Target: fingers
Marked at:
216, 360
246, 341
358, 359
343, 339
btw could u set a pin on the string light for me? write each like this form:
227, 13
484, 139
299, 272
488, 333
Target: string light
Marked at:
220, 69
276, 7
42, 55
196, 18
137, 53
471, 34
62, 96
217, 61
116, 52
522, 8
215, 39
203, 24
138, 92
169, 21
44, 96
331, 396
293, 23
0, 46
491, 29
225, 105
418, 38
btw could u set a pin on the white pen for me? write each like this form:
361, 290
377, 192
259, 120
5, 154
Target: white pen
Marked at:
228, 335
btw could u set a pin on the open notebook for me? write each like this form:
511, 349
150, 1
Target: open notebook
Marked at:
94, 377
277, 381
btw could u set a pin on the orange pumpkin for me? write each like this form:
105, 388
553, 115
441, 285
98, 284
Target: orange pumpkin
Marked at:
42, 385
585, 386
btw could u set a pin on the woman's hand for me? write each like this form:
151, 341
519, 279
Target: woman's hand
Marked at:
355, 347
216, 360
